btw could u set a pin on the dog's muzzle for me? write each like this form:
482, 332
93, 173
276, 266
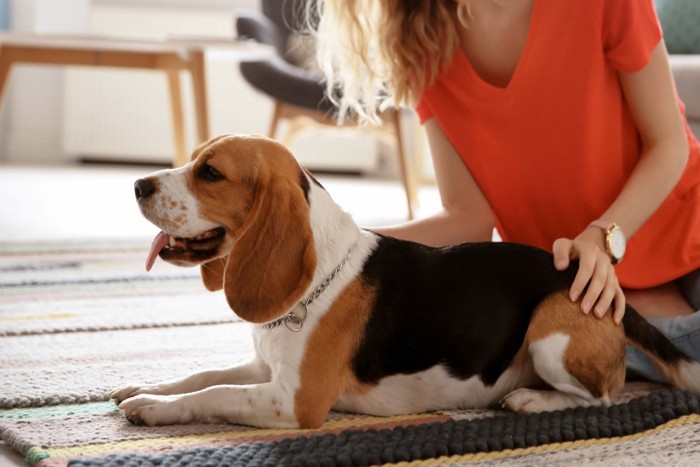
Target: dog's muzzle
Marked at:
183, 251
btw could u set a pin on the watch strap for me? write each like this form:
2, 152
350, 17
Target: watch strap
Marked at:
602, 224
608, 228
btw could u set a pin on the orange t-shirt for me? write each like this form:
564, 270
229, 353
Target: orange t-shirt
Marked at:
553, 149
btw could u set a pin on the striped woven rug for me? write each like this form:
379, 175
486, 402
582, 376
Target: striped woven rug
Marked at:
98, 286
78, 320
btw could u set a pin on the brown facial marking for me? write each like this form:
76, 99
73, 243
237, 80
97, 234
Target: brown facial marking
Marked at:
326, 372
228, 201
596, 352
205, 147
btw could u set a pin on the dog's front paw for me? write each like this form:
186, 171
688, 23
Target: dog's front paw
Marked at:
120, 395
152, 410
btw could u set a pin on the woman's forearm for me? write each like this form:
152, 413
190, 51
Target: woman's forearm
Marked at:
440, 229
657, 173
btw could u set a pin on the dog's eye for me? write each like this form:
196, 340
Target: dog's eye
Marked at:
209, 173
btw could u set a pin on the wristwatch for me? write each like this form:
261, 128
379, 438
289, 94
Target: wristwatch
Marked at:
615, 241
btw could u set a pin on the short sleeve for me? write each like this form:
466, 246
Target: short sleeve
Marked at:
631, 31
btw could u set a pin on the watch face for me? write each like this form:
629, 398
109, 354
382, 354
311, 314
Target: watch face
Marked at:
618, 243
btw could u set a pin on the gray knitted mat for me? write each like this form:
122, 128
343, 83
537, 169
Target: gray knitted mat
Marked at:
581, 435
663, 424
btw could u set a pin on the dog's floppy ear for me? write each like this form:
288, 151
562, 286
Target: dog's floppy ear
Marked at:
273, 260
213, 274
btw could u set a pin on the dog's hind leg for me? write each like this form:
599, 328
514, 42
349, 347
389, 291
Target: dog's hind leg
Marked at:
549, 361
579, 356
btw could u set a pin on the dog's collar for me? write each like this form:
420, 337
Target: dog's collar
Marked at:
295, 322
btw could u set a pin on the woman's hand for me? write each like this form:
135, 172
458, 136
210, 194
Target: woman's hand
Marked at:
594, 270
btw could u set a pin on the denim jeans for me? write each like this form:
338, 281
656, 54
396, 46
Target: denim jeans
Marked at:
4, 15
682, 331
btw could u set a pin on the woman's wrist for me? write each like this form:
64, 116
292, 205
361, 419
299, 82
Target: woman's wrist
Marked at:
593, 235
614, 241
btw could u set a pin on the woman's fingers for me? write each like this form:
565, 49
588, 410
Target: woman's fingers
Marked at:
595, 275
601, 286
620, 304
562, 253
607, 295
586, 276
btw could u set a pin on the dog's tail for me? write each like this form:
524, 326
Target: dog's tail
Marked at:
680, 370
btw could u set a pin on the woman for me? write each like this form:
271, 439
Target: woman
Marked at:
557, 123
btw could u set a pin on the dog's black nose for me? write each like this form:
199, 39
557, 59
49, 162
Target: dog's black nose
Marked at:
143, 188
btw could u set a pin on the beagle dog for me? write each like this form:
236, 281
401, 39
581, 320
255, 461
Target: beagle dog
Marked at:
349, 320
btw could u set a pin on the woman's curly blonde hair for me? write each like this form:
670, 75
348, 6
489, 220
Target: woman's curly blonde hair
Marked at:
381, 53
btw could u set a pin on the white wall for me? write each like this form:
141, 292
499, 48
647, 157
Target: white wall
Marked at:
31, 118
32, 127
192, 4
125, 114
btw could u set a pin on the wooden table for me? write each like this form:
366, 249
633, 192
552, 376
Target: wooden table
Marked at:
170, 55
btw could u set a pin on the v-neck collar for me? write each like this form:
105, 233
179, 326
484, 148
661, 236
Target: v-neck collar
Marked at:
515, 78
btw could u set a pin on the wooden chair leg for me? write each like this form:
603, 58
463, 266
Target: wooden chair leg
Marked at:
4, 74
276, 117
408, 176
180, 155
197, 69
295, 126
295, 123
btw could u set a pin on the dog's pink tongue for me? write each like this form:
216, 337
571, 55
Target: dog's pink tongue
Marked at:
158, 243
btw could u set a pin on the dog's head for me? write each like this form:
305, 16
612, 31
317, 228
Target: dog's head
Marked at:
240, 210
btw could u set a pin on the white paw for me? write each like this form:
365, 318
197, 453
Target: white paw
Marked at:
525, 400
151, 410
120, 395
